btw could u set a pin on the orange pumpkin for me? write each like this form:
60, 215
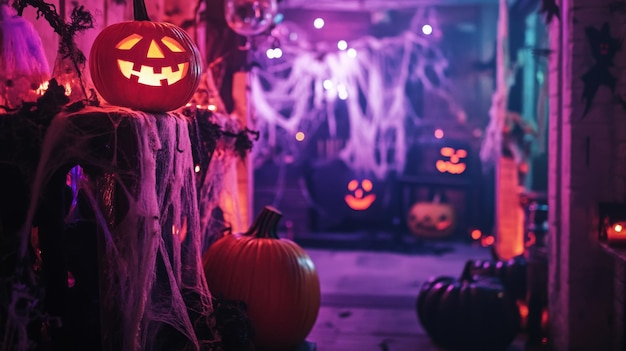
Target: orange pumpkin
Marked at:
275, 277
431, 219
145, 65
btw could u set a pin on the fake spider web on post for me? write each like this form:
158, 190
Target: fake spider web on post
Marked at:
138, 187
295, 96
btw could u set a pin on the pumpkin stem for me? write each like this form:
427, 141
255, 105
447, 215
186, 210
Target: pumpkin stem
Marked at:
266, 224
140, 12
466, 275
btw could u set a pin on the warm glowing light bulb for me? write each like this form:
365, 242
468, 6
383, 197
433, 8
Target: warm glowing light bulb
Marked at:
269, 53
299, 136
342, 45
476, 234
318, 23
278, 53
42, 88
352, 53
618, 228
427, 29
438, 133
211, 107
328, 84
488, 241
197, 168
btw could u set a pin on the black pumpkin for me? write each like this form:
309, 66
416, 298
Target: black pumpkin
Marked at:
511, 272
468, 313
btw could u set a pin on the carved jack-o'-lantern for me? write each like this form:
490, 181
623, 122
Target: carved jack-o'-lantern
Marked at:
431, 219
453, 160
360, 197
145, 65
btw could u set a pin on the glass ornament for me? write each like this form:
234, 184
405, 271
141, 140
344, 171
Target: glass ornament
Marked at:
250, 17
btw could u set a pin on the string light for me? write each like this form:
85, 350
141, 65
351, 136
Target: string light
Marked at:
342, 45
318, 23
427, 29
476, 234
274, 53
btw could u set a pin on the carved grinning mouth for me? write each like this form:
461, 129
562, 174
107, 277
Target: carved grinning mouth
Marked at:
360, 204
147, 75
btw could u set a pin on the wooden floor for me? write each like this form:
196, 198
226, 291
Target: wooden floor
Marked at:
368, 297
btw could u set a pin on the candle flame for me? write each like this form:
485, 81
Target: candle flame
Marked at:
42, 88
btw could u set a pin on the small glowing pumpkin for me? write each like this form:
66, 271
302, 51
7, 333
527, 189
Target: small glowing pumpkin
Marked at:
452, 160
360, 196
275, 278
145, 65
431, 219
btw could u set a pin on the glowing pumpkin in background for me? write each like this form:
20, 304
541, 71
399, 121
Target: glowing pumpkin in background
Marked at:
454, 162
145, 65
360, 197
431, 219
274, 277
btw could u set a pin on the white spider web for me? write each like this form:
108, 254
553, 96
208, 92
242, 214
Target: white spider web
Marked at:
290, 96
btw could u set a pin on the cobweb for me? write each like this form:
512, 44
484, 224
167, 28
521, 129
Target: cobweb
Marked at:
23, 63
302, 92
138, 180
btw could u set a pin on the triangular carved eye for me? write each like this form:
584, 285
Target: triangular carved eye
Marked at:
129, 42
172, 44
154, 51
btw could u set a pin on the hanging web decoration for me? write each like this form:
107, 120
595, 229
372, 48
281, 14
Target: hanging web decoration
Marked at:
139, 191
306, 88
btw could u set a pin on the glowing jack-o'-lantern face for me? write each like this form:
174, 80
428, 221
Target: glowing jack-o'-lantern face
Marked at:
429, 219
145, 65
360, 197
454, 162
151, 75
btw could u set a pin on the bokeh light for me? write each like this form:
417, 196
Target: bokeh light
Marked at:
438, 133
427, 29
318, 23
476, 234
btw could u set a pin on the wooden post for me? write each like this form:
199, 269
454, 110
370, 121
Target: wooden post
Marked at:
509, 213
509, 217
243, 111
